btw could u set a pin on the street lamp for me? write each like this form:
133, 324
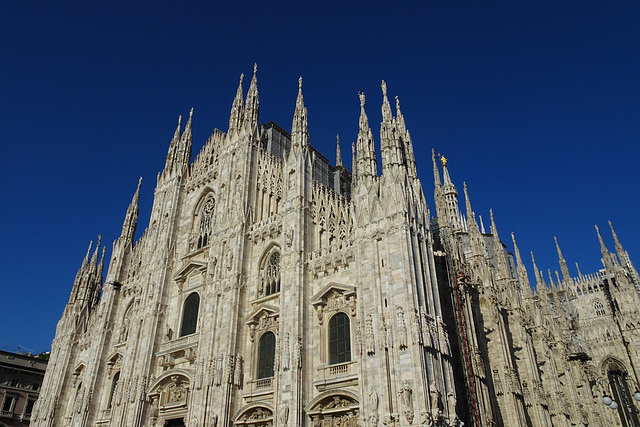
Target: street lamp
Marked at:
612, 403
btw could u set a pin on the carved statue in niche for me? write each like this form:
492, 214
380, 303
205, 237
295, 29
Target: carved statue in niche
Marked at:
416, 328
402, 328
406, 397
238, 371
373, 407
444, 339
284, 414
435, 396
369, 339
217, 375
451, 403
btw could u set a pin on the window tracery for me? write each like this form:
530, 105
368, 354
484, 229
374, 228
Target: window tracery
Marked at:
599, 308
270, 283
206, 218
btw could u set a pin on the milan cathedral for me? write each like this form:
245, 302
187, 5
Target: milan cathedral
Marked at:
272, 288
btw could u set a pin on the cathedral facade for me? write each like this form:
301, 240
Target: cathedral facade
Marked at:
272, 288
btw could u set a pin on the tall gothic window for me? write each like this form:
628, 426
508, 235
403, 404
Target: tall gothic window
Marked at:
205, 223
266, 355
271, 280
339, 339
190, 314
599, 308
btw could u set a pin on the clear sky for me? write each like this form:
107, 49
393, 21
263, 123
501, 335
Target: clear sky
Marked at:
535, 104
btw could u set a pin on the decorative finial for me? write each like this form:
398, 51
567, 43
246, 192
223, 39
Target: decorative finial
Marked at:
255, 67
361, 95
384, 88
241, 77
300, 83
397, 103
179, 120
191, 113
443, 160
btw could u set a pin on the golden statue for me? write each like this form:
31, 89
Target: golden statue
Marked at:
443, 160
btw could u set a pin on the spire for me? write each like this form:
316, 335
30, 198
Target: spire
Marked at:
386, 107
536, 272
503, 269
237, 110
606, 257
176, 134
252, 108
436, 172
300, 126
482, 230
578, 268
563, 263
619, 249
365, 152
448, 196
402, 128
553, 285
467, 201
172, 154
521, 270
388, 149
405, 141
475, 239
131, 217
338, 155
445, 171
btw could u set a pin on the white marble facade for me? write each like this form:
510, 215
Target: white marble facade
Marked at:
272, 288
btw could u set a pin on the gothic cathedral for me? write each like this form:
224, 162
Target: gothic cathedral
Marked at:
272, 288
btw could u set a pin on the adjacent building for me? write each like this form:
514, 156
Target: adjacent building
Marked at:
20, 381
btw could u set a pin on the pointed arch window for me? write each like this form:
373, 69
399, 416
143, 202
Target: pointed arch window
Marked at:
271, 280
190, 314
206, 218
339, 339
266, 355
599, 308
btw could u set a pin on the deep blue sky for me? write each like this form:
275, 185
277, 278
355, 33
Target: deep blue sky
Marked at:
535, 104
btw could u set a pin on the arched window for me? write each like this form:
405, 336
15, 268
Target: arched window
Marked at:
271, 281
206, 217
190, 314
266, 355
599, 308
114, 384
339, 339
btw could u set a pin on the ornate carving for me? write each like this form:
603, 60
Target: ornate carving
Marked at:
176, 390
402, 329
238, 371
369, 339
285, 352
